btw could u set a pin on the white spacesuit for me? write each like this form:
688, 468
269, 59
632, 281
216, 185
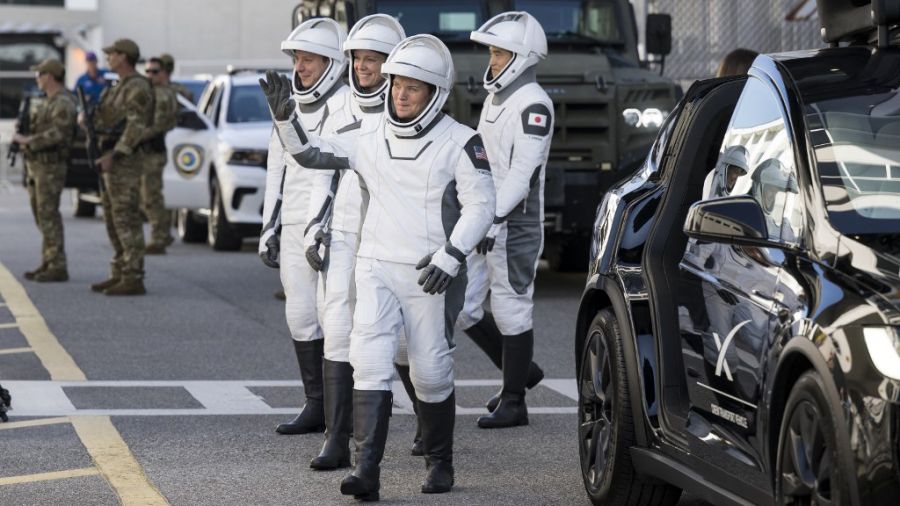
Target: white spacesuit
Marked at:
517, 126
431, 200
338, 199
286, 209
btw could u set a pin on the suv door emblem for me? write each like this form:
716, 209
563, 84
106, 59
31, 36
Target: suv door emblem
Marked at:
721, 364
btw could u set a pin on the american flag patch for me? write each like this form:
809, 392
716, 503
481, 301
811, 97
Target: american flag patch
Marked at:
480, 153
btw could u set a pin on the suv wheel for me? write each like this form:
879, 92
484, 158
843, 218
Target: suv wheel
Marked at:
605, 426
220, 234
808, 470
83, 208
191, 228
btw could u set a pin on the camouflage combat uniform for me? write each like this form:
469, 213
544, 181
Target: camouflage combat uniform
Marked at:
182, 90
47, 153
124, 114
166, 105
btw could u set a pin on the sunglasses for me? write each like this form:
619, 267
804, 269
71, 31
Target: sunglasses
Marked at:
153, 71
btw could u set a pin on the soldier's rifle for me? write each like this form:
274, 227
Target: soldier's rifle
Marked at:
92, 144
23, 127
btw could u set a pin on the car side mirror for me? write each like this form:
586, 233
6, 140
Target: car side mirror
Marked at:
736, 219
190, 120
658, 34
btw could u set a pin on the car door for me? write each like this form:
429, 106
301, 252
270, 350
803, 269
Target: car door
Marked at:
190, 146
727, 304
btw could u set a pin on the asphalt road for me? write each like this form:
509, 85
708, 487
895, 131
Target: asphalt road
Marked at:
195, 375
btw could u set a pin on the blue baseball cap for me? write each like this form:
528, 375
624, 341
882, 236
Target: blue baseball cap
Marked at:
90, 56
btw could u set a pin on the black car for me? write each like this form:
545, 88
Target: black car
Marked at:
739, 334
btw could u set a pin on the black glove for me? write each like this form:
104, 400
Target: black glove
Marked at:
273, 248
277, 89
433, 279
487, 244
316, 261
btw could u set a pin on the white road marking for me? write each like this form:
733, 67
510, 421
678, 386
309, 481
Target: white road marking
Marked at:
229, 397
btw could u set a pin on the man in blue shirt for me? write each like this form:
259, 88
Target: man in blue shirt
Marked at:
92, 81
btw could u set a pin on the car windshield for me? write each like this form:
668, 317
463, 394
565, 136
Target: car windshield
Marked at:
195, 86
585, 21
856, 140
247, 104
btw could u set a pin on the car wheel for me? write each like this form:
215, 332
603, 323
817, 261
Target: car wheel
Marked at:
220, 234
605, 425
83, 208
808, 466
191, 228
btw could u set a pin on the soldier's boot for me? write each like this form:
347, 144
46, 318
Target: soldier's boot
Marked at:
32, 274
438, 419
155, 248
403, 372
127, 285
371, 416
511, 411
312, 416
52, 275
488, 337
114, 278
335, 452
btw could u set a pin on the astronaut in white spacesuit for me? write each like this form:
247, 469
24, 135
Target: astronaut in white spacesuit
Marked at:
319, 63
430, 202
516, 125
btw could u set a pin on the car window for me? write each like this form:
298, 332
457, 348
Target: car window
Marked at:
211, 108
757, 159
247, 104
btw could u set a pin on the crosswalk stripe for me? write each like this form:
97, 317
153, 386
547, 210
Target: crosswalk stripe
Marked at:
11, 351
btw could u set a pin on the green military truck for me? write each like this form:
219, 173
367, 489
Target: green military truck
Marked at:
608, 105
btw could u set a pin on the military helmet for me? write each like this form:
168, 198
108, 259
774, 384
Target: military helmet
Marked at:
378, 32
519, 33
324, 37
427, 59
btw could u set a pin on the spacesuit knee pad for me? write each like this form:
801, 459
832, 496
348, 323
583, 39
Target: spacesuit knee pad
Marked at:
514, 318
433, 381
373, 369
302, 319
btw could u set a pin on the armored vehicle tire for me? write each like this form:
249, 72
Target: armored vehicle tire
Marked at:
83, 208
605, 425
808, 468
220, 235
191, 229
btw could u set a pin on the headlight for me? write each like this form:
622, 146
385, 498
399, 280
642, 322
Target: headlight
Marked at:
252, 157
884, 350
648, 118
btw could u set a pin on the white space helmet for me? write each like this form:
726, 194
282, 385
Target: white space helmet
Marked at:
378, 32
519, 33
321, 36
427, 59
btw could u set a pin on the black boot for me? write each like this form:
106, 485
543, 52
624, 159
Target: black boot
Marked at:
488, 337
371, 415
338, 417
312, 417
437, 421
511, 410
403, 372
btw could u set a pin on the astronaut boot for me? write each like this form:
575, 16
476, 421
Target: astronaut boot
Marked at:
32, 274
335, 452
312, 416
438, 419
535, 375
403, 372
511, 410
127, 285
371, 416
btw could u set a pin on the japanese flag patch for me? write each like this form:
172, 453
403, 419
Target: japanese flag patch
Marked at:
537, 120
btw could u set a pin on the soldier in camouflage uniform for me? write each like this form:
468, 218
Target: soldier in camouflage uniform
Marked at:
165, 107
124, 114
168, 63
47, 154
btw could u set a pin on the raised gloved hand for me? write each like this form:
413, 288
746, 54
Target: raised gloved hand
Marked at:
277, 89
270, 247
439, 269
487, 244
316, 261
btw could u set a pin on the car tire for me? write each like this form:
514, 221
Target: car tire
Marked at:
808, 428
605, 424
191, 228
220, 235
83, 208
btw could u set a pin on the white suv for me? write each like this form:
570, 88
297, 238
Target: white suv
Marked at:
216, 174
